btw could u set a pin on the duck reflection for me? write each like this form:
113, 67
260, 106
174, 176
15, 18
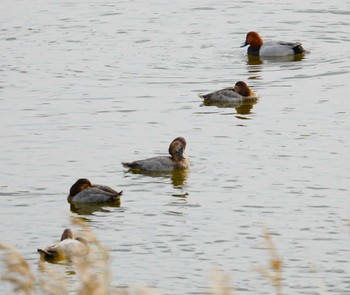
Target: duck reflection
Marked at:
254, 67
245, 108
242, 108
178, 178
254, 61
90, 208
257, 60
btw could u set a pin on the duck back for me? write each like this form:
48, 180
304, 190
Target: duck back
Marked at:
224, 95
279, 48
160, 163
97, 194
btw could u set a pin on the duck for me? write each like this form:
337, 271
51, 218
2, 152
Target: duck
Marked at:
66, 248
176, 161
83, 191
239, 93
258, 47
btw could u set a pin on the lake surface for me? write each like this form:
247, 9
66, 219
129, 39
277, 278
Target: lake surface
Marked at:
85, 85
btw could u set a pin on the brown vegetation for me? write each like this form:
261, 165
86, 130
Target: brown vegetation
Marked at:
94, 274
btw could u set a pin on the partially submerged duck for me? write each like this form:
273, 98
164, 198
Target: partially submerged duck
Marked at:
83, 191
176, 161
67, 248
258, 47
237, 94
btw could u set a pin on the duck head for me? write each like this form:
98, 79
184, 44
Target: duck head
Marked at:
242, 88
67, 234
254, 40
177, 148
80, 185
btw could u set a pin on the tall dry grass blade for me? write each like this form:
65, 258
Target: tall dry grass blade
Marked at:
321, 283
147, 291
18, 271
273, 272
93, 268
51, 281
220, 283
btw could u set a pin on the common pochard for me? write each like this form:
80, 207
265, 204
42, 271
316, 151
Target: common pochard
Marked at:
239, 93
176, 161
258, 47
67, 248
83, 191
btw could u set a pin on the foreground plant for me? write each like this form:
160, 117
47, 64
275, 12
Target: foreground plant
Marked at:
94, 274
18, 271
273, 272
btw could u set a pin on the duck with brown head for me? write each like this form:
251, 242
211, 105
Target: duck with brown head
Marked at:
83, 191
258, 47
239, 93
176, 161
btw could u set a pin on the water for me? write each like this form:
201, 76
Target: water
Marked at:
87, 85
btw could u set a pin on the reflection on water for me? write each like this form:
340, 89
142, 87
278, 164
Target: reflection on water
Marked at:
245, 108
181, 196
242, 108
90, 208
178, 178
257, 60
52, 260
254, 60
255, 64
67, 263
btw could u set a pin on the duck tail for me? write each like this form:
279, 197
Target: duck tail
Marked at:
43, 254
131, 165
204, 96
298, 49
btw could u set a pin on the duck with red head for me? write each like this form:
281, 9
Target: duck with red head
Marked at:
258, 47
83, 191
237, 94
176, 161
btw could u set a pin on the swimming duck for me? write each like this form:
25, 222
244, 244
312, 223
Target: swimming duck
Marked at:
176, 161
84, 192
258, 47
239, 93
66, 248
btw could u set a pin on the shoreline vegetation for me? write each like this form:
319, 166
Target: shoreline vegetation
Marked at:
94, 274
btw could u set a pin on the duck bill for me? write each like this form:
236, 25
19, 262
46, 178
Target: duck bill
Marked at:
245, 44
181, 154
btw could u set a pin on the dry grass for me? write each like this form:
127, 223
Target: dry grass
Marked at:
94, 274
220, 283
93, 269
18, 271
51, 281
273, 272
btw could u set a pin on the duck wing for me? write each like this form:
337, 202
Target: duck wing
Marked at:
73, 247
224, 95
108, 189
97, 194
280, 48
160, 163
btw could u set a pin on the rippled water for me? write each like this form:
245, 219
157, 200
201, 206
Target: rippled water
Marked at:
86, 85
